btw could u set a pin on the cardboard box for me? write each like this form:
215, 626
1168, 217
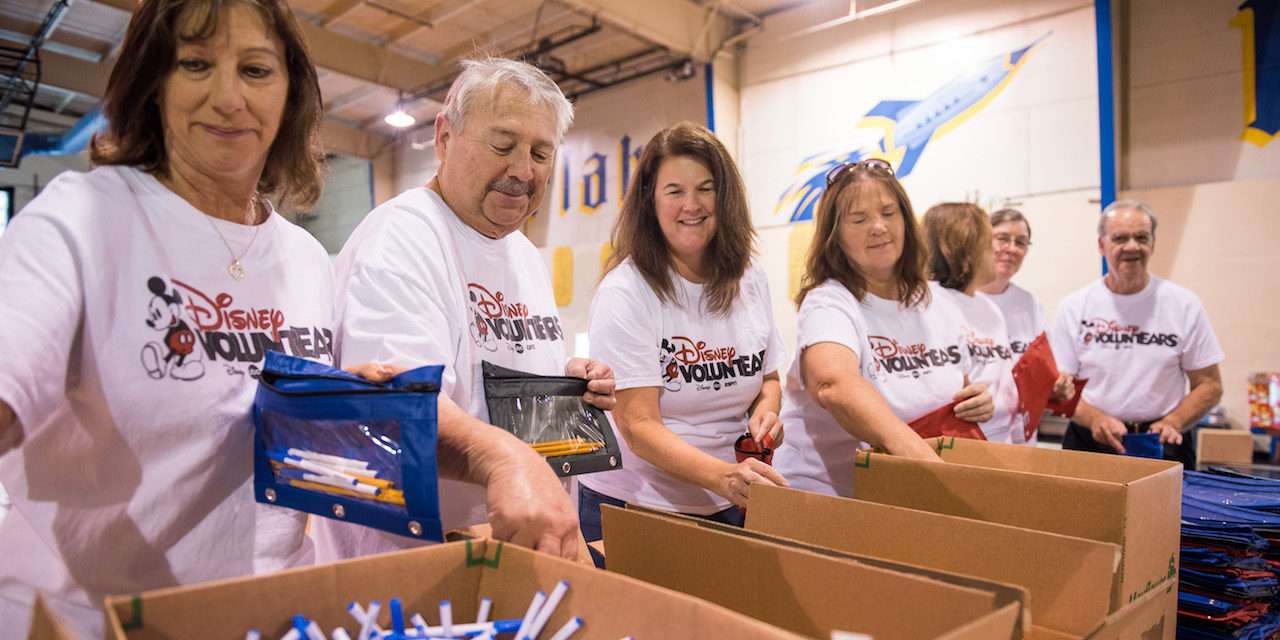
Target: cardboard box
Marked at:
1224, 446
1068, 579
612, 605
803, 588
1132, 502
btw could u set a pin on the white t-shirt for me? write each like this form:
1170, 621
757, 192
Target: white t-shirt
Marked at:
1134, 349
1023, 316
416, 286
129, 358
709, 368
914, 357
992, 358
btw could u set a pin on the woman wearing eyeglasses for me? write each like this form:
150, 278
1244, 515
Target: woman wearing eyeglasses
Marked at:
875, 349
960, 258
1023, 315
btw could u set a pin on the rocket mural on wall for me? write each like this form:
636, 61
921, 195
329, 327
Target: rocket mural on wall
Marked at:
908, 127
1259, 23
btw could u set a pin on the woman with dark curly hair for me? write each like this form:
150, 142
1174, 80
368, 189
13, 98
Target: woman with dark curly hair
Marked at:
141, 298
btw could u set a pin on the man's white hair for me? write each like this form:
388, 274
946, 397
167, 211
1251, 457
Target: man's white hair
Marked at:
1136, 205
480, 77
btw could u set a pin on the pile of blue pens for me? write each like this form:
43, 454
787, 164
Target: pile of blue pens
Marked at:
530, 627
1229, 581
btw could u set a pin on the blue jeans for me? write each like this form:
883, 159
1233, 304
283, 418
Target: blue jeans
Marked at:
589, 517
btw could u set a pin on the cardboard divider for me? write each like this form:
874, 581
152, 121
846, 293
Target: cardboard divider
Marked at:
1132, 502
806, 589
611, 605
1068, 579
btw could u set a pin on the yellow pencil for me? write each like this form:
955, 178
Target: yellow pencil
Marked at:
393, 496
571, 450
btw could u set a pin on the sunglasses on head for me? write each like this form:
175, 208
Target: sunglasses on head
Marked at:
873, 164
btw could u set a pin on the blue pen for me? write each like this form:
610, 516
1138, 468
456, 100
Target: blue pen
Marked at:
397, 618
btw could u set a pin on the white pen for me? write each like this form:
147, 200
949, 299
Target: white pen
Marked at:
545, 613
337, 461
535, 605
339, 634
446, 617
291, 634
252, 634
370, 615
314, 632
571, 627
485, 603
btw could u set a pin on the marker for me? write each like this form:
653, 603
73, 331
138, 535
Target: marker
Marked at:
485, 603
544, 614
446, 617
539, 599
571, 627
397, 617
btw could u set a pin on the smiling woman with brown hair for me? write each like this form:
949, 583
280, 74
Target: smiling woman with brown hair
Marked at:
685, 320
125, 391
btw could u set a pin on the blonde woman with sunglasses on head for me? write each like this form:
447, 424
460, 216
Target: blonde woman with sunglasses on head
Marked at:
875, 349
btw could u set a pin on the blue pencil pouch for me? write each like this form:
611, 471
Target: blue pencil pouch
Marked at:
1143, 445
333, 444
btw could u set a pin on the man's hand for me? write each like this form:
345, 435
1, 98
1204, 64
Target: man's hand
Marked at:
765, 423
976, 403
599, 381
1108, 431
528, 506
1169, 432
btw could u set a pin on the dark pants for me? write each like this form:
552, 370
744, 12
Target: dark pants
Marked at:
589, 517
1078, 438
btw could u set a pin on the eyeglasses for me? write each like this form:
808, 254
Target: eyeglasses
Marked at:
1122, 239
1003, 240
873, 164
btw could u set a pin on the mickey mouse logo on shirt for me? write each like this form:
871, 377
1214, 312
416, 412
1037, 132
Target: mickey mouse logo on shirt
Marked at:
685, 360
1112, 334
495, 320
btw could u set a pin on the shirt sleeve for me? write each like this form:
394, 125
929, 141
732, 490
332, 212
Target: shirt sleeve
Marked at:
826, 316
623, 332
1202, 348
396, 304
1062, 339
38, 267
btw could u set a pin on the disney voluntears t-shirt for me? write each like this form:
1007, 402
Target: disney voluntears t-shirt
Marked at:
709, 369
417, 286
915, 357
130, 357
987, 342
1023, 316
1134, 349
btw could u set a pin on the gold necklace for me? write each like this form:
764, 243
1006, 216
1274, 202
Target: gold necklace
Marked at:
236, 268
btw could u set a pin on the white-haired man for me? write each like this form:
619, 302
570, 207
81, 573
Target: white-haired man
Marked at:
1144, 343
441, 274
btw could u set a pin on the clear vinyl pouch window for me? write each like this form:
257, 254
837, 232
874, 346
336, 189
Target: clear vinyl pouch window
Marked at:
548, 413
333, 444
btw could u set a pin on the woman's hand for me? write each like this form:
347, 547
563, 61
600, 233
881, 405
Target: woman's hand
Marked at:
375, 372
765, 424
600, 383
735, 480
1064, 388
975, 403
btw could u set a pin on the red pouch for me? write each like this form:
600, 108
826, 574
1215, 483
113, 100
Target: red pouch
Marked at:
1034, 374
745, 447
943, 422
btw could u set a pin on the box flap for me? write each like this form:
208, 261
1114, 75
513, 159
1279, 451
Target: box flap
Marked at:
46, 624
1067, 464
1223, 446
1069, 579
792, 588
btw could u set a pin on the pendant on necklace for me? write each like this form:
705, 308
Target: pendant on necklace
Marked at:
236, 270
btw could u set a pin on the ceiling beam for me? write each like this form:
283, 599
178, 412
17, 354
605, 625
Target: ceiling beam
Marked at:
74, 74
338, 10
679, 25
408, 27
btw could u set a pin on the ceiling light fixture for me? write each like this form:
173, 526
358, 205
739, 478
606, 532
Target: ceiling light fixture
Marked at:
400, 118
